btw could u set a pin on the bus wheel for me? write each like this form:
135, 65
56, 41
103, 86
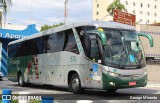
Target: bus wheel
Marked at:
75, 84
111, 90
21, 80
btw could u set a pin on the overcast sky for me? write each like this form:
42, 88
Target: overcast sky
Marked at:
49, 12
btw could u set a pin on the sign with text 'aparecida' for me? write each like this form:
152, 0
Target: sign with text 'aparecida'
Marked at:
18, 34
125, 18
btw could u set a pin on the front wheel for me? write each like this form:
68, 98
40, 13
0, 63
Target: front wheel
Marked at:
75, 84
21, 80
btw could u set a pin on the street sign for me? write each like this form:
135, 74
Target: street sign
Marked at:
125, 18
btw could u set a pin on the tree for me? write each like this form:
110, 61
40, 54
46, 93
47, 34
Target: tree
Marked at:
115, 5
4, 5
46, 27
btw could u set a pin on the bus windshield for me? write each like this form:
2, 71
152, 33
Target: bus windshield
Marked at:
123, 49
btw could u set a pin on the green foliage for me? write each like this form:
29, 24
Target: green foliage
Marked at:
46, 27
115, 5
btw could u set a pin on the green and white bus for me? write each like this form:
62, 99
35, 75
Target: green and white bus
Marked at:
98, 55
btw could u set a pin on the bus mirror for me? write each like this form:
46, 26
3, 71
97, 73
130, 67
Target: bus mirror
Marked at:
149, 38
101, 34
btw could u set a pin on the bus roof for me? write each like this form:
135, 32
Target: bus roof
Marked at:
68, 26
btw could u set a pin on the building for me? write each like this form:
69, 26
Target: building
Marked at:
146, 11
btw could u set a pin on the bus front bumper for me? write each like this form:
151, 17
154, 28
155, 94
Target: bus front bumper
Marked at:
111, 82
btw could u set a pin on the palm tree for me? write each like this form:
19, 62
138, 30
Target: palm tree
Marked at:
4, 5
115, 5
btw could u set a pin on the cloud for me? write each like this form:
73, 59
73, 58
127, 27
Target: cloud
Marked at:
48, 11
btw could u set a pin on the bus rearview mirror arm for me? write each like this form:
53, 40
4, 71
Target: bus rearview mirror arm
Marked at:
149, 37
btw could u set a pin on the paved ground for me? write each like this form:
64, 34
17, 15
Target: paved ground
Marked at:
61, 95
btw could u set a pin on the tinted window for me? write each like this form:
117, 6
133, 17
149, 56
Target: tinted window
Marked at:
94, 51
50, 43
61, 39
70, 42
38, 45
84, 38
27, 47
13, 50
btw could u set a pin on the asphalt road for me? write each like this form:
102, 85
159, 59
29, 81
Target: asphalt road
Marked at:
61, 95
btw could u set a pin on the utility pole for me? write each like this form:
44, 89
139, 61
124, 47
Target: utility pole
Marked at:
1, 12
65, 11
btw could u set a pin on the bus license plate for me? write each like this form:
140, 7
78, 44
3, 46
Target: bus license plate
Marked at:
132, 83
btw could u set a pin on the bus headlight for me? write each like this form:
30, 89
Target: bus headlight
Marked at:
113, 74
145, 73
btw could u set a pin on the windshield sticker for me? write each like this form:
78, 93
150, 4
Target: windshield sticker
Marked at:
132, 58
95, 67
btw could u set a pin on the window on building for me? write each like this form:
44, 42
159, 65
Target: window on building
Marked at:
134, 12
148, 6
97, 13
126, 2
97, 5
140, 20
148, 13
141, 12
134, 4
148, 21
155, 6
141, 5
155, 14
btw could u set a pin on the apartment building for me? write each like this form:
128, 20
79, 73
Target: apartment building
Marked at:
146, 11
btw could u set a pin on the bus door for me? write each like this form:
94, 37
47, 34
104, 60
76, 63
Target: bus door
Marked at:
95, 56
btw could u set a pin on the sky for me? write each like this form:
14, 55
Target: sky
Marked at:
41, 12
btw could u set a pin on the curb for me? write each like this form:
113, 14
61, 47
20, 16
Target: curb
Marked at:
157, 86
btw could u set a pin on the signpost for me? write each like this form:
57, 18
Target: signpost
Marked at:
124, 18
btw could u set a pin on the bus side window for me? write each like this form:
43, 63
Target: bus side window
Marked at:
94, 50
70, 42
50, 43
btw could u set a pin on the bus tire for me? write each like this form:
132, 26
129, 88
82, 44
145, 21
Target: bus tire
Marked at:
111, 90
75, 84
21, 80
1, 79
